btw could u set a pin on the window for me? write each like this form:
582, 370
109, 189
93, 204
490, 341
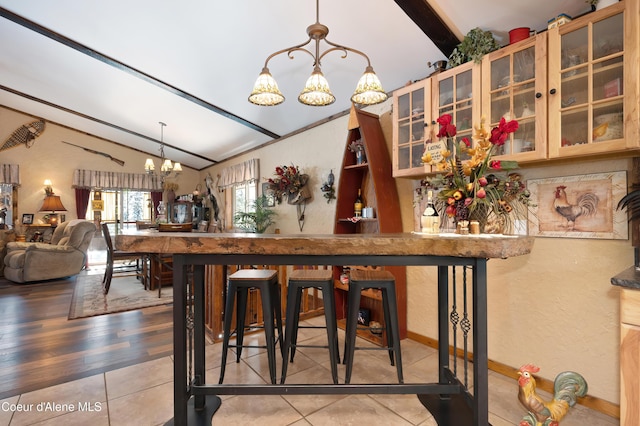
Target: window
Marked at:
124, 206
244, 196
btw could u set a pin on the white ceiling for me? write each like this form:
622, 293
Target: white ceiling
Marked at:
180, 62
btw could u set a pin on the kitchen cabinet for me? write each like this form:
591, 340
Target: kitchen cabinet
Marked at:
573, 90
629, 356
411, 128
593, 83
514, 83
417, 106
453, 93
374, 179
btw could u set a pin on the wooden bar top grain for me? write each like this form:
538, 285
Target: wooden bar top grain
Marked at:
401, 244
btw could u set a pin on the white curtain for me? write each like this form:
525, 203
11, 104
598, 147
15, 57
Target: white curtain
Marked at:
116, 180
10, 174
243, 172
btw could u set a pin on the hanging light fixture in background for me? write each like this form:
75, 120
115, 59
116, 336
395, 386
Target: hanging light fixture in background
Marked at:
166, 166
316, 92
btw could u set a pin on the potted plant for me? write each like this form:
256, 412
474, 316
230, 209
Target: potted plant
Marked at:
257, 220
631, 203
473, 47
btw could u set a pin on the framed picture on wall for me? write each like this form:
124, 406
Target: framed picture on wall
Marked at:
580, 206
97, 205
27, 219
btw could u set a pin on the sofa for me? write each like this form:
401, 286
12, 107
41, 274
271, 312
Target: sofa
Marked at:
6, 236
64, 257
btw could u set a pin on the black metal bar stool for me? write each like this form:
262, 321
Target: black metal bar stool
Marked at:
239, 283
299, 280
384, 281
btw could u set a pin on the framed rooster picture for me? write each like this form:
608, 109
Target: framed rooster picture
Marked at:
581, 206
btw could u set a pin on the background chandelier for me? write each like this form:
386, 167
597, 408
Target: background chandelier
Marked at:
166, 166
316, 91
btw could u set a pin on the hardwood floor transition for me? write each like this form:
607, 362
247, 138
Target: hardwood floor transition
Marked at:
40, 347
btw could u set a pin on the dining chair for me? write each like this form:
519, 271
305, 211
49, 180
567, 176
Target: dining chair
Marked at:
126, 269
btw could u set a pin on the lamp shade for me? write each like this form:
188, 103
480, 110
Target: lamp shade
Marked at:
265, 92
369, 90
149, 166
52, 203
316, 91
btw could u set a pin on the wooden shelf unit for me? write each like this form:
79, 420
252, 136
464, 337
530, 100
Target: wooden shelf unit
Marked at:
379, 191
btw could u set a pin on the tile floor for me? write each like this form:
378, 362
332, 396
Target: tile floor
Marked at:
142, 394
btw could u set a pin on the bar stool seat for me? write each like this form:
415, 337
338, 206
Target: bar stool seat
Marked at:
373, 279
299, 280
239, 283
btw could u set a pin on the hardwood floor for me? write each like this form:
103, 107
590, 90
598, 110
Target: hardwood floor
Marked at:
40, 347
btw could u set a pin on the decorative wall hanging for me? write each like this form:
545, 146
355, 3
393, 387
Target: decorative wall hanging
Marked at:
582, 206
328, 189
291, 184
25, 134
104, 154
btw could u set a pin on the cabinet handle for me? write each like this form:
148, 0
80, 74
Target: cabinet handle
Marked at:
552, 91
538, 95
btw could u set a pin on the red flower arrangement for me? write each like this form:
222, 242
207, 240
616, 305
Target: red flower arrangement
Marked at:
473, 188
288, 180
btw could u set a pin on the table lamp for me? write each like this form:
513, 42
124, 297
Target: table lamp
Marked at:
52, 204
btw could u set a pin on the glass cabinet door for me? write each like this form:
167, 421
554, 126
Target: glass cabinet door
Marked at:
592, 97
587, 86
455, 95
516, 80
411, 116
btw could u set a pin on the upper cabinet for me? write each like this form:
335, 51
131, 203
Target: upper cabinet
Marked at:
411, 121
593, 83
574, 90
514, 83
454, 94
417, 106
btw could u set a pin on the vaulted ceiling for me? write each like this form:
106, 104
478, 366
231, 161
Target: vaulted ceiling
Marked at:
115, 69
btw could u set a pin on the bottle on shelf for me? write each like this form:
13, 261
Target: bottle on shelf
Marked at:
430, 220
357, 205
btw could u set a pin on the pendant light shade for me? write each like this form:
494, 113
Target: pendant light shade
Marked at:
369, 90
316, 91
265, 92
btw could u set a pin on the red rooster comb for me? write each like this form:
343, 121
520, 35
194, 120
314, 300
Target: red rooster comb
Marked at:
530, 368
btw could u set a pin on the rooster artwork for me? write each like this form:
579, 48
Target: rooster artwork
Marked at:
567, 387
586, 205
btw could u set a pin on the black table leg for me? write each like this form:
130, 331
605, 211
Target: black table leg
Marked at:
187, 410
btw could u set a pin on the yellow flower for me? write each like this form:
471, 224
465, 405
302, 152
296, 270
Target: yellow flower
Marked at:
426, 158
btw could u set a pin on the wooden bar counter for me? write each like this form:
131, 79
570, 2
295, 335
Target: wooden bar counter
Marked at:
448, 400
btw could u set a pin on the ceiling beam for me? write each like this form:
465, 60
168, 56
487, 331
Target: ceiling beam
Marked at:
104, 123
124, 67
426, 18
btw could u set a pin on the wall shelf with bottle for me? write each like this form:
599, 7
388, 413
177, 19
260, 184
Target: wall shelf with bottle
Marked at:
380, 212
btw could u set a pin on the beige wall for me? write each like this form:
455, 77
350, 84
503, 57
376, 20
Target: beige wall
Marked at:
49, 158
555, 307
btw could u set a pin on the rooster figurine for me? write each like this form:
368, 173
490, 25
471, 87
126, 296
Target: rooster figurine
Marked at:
567, 387
586, 205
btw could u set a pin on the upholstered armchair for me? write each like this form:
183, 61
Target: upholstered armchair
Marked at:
65, 256
6, 236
